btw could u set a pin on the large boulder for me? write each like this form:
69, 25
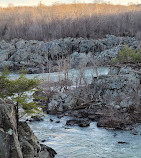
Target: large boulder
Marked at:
79, 122
61, 102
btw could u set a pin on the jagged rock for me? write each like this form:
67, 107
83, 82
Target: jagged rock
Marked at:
29, 144
45, 149
120, 90
37, 54
18, 142
105, 56
61, 102
10, 146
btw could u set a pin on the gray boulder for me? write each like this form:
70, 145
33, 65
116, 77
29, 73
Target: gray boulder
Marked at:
60, 102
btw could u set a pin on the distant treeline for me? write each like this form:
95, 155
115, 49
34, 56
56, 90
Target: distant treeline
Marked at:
70, 20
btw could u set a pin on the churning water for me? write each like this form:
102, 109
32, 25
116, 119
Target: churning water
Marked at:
89, 142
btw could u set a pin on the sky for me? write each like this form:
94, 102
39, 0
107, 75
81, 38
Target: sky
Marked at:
4, 3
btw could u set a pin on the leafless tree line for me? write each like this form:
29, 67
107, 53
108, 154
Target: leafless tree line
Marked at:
75, 20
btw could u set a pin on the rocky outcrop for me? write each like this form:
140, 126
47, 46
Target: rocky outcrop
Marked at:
121, 88
60, 102
79, 122
18, 142
35, 55
10, 146
114, 100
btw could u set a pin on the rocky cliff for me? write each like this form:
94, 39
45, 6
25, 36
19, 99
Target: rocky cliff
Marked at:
35, 55
21, 142
121, 88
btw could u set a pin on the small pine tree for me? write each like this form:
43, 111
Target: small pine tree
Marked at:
17, 90
127, 55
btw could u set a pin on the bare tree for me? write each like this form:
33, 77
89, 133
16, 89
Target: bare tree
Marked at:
74, 20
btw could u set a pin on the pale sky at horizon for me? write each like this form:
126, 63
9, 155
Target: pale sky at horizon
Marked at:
4, 3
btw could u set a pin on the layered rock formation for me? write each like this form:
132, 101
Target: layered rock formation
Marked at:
18, 142
35, 55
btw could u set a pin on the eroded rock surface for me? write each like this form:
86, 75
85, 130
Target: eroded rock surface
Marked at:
121, 88
18, 142
35, 55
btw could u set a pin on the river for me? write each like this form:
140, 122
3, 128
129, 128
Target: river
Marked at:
73, 74
89, 142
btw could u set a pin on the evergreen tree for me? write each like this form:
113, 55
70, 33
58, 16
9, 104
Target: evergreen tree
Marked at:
19, 91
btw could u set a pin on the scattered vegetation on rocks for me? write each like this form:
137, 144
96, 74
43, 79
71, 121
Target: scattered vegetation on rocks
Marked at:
127, 55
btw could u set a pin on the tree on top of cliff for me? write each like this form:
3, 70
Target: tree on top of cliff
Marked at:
17, 90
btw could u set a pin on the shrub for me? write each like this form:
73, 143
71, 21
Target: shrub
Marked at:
127, 55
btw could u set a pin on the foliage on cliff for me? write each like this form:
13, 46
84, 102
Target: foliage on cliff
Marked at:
128, 55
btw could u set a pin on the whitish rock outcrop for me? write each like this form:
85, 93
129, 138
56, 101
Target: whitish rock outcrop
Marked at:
121, 88
61, 102
35, 55
20, 143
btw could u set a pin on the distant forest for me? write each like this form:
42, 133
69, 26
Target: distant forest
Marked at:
70, 20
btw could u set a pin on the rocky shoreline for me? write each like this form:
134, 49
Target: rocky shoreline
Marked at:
113, 100
40, 56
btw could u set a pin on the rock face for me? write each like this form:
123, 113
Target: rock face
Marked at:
35, 55
61, 102
8, 132
121, 88
19, 143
